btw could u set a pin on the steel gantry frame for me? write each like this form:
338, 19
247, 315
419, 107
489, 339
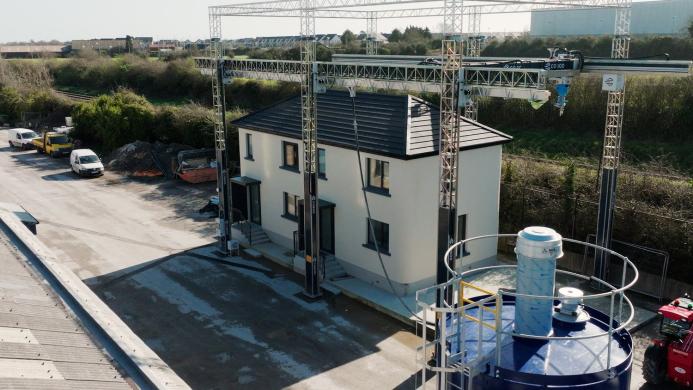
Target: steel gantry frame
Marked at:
307, 11
611, 154
454, 79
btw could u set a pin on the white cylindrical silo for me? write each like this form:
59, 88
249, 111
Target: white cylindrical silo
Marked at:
537, 249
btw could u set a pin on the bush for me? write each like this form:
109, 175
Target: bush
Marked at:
12, 104
111, 121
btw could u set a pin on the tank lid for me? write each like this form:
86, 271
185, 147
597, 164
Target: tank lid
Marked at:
539, 242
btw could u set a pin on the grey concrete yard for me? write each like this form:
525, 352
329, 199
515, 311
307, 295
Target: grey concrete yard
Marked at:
220, 324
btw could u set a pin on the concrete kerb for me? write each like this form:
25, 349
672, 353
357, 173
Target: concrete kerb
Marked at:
150, 371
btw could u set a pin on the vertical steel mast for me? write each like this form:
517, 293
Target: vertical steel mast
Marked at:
611, 154
309, 112
474, 38
216, 53
471, 109
372, 33
449, 147
449, 133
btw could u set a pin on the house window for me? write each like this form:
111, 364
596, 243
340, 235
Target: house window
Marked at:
290, 206
378, 175
290, 156
322, 168
249, 146
381, 231
462, 235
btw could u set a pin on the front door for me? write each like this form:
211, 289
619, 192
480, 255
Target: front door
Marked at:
254, 209
327, 230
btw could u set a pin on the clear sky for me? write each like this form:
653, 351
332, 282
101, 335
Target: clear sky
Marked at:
64, 20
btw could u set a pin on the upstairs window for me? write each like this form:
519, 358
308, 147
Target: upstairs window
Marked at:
322, 167
290, 156
378, 175
249, 146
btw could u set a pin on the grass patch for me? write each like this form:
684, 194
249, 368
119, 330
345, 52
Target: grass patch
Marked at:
565, 145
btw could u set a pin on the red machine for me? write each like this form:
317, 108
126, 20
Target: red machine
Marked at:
671, 358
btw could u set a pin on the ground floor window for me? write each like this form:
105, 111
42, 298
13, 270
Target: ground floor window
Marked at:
290, 206
381, 236
462, 235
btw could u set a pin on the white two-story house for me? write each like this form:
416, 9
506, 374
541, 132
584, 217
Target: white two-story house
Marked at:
399, 147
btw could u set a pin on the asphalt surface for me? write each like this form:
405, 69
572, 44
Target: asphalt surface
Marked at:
140, 245
218, 325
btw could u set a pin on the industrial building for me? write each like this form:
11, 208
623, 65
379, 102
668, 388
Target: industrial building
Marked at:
399, 144
32, 51
667, 17
109, 44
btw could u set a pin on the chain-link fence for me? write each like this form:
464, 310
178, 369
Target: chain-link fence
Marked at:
642, 235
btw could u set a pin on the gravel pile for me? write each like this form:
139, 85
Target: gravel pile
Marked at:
135, 157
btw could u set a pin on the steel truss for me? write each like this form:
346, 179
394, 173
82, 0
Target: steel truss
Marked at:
611, 154
216, 68
446, 79
372, 33
490, 9
336, 8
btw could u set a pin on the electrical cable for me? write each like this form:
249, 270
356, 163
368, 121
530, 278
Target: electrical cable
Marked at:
352, 94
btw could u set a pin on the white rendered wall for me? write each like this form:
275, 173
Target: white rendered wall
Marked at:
411, 210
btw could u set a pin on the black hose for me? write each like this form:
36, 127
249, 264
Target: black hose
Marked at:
352, 94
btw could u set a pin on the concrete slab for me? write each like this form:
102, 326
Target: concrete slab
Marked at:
238, 325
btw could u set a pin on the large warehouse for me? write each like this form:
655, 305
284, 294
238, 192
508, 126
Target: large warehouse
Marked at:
661, 17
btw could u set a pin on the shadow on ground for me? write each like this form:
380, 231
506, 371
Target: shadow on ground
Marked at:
243, 323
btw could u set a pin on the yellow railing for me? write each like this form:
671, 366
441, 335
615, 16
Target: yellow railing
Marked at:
496, 312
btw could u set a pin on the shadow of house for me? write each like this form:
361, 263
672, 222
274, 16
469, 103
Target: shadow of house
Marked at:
244, 324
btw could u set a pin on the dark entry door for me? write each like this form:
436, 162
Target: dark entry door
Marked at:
327, 230
254, 209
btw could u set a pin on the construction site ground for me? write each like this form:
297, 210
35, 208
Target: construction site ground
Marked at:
219, 323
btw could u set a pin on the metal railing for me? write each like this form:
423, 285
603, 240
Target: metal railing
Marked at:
451, 315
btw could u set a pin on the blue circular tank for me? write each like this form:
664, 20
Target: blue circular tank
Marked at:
534, 364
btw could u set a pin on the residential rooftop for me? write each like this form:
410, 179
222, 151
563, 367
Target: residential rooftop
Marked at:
399, 126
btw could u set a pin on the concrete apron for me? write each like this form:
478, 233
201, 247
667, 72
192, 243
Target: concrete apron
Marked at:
95, 314
386, 302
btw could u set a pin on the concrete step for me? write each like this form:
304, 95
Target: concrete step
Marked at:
333, 270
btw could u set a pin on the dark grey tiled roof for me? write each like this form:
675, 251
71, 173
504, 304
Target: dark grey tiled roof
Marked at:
400, 126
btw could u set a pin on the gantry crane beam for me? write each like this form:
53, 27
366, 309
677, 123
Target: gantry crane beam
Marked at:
489, 9
404, 77
246, 9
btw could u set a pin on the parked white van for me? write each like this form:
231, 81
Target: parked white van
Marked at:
21, 138
85, 162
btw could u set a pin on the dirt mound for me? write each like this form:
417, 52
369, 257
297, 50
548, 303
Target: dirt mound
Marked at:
133, 157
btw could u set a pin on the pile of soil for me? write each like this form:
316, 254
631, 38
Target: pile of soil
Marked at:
135, 158
141, 158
